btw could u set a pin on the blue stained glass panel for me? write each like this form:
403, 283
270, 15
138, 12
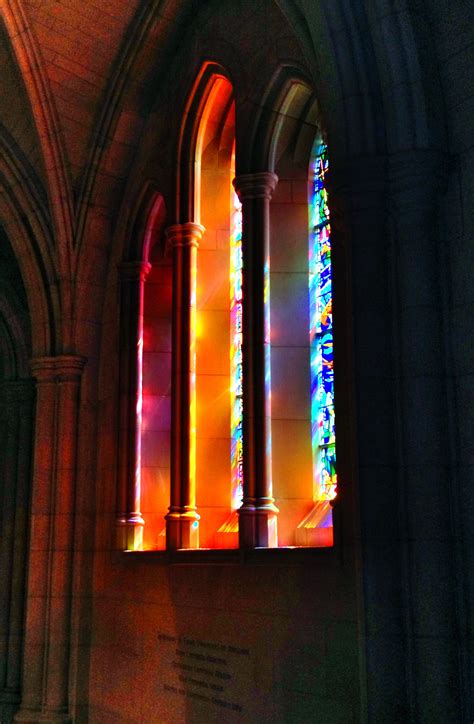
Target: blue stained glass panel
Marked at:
321, 336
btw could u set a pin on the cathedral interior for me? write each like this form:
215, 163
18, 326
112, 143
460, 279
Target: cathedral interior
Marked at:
237, 361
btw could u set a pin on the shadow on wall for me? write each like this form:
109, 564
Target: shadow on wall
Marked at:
16, 425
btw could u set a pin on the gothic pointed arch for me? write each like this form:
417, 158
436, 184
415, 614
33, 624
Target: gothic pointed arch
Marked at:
15, 338
25, 218
145, 281
403, 51
28, 56
289, 93
204, 85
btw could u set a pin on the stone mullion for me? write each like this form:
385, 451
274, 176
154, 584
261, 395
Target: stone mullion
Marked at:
365, 419
129, 519
258, 514
182, 517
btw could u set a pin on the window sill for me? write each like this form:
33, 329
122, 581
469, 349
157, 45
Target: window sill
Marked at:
225, 557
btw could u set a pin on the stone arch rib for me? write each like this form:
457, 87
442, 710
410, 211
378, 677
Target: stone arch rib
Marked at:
133, 43
44, 114
24, 216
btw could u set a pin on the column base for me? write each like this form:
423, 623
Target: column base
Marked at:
258, 526
182, 530
129, 534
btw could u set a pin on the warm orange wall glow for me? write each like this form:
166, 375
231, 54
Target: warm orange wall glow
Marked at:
213, 168
156, 412
289, 308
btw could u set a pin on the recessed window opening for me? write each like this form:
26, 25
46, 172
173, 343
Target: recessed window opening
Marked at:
303, 421
218, 325
299, 372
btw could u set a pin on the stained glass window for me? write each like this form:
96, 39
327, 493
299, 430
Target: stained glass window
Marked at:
323, 427
236, 350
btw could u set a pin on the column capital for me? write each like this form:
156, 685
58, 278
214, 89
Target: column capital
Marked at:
259, 185
134, 270
187, 234
62, 367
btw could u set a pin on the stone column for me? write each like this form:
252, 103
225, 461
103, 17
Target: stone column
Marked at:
258, 514
367, 457
48, 599
16, 400
426, 497
129, 519
182, 520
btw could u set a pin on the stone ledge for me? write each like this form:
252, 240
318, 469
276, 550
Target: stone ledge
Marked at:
212, 557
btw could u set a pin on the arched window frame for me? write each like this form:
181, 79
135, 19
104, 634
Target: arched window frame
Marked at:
183, 519
133, 271
255, 192
292, 120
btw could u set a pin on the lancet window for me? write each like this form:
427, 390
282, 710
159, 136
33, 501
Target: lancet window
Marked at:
249, 460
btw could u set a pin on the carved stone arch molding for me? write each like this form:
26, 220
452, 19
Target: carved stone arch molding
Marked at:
15, 336
44, 113
335, 59
148, 219
287, 82
133, 45
197, 98
24, 216
372, 69
343, 71
409, 82
137, 222
143, 238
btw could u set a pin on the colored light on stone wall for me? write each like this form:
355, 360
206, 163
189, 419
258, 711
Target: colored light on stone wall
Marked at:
139, 409
192, 411
323, 426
